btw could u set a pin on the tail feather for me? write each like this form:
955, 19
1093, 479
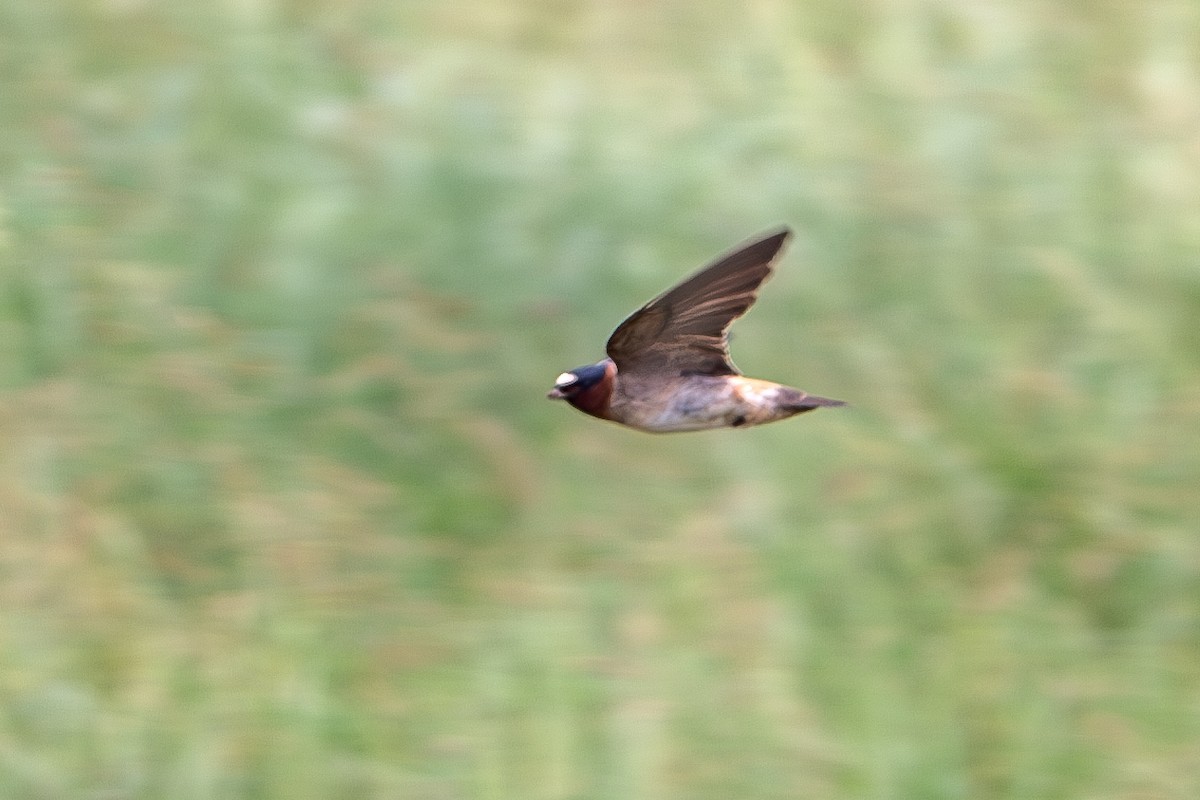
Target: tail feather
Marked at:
803, 401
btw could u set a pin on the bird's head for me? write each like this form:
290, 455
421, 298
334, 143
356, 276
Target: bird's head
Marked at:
587, 388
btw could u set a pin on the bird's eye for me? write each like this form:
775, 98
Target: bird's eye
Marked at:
565, 379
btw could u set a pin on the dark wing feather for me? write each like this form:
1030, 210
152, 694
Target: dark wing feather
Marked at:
684, 328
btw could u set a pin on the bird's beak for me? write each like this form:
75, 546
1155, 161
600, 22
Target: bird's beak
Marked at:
555, 394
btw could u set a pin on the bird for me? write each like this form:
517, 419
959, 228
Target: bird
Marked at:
668, 367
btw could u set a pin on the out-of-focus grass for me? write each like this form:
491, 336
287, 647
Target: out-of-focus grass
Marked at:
282, 511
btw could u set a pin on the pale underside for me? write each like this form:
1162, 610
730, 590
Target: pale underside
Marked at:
704, 402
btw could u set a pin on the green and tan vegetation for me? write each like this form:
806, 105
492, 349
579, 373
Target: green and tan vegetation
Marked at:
284, 514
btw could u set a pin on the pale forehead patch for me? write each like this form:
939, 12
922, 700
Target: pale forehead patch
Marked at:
566, 379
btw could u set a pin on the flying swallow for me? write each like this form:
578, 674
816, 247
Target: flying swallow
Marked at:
668, 366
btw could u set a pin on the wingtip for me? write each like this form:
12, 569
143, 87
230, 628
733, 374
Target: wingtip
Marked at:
781, 230
766, 245
780, 234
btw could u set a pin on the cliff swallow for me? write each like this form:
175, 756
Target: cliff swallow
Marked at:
668, 365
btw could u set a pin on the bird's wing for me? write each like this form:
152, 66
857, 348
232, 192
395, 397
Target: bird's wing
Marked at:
685, 328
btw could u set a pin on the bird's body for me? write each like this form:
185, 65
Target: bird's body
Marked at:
700, 402
668, 367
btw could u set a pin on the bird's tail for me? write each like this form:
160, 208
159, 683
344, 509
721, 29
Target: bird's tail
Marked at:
807, 402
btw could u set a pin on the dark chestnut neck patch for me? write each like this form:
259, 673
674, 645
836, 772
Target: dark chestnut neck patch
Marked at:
593, 388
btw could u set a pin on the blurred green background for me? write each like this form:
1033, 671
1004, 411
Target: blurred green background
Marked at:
284, 514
